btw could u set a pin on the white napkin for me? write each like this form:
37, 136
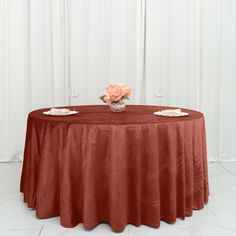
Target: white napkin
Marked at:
59, 111
171, 112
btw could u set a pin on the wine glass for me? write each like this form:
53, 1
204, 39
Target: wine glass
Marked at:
73, 95
159, 95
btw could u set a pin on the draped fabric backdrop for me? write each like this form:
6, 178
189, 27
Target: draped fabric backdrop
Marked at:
184, 48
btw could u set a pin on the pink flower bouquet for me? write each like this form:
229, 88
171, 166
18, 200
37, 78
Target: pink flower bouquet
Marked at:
115, 92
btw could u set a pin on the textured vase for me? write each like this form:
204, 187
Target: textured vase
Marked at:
118, 106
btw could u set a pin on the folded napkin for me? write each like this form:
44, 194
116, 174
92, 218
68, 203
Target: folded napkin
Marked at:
59, 111
171, 112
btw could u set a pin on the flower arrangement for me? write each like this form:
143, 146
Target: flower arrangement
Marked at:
115, 92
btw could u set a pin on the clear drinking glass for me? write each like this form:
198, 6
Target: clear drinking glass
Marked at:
73, 95
159, 95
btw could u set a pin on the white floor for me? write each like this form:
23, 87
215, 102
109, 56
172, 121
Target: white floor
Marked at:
218, 218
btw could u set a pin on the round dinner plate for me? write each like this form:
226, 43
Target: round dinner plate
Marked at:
158, 113
48, 113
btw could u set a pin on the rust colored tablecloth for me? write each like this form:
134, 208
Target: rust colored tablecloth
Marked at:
130, 167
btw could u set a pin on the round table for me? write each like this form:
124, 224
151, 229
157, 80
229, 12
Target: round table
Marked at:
129, 167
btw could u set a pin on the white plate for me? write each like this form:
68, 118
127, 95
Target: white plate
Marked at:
48, 113
158, 113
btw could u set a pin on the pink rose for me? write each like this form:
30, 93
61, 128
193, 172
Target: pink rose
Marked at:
126, 90
115, 92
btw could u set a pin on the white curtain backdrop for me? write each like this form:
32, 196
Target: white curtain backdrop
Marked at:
184, 48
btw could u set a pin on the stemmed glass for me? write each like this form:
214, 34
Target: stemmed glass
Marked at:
73, 95
159, 95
